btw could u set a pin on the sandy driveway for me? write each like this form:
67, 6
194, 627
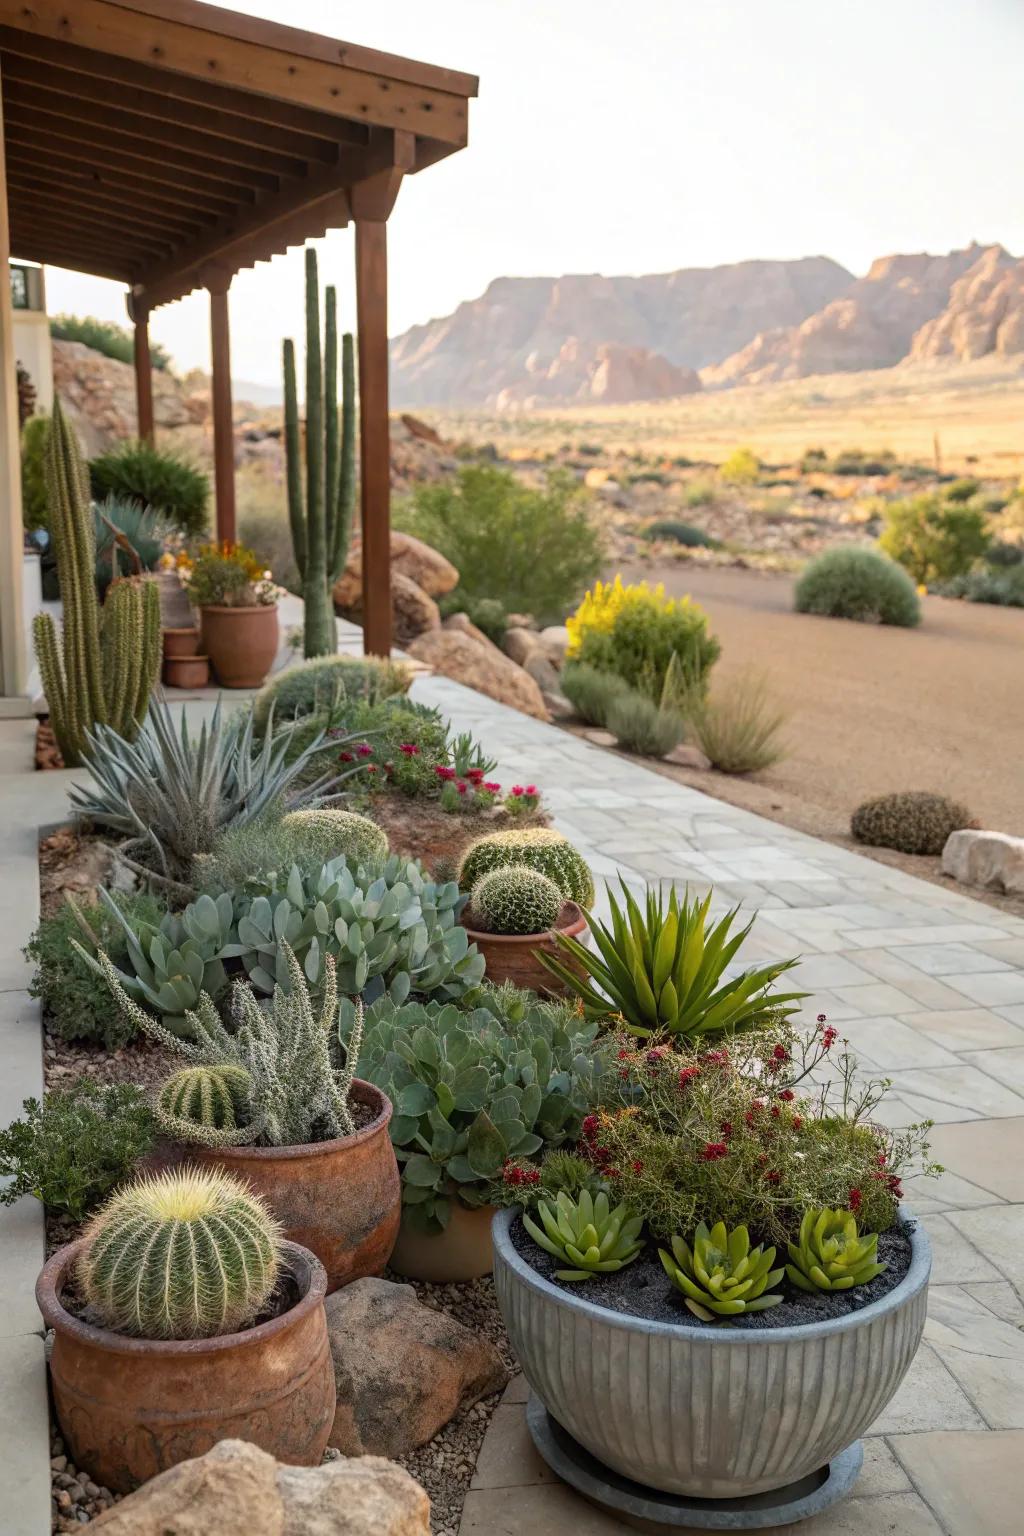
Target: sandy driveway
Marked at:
873, 708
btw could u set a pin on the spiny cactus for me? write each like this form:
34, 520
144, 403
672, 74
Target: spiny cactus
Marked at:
322, 835
104, 667
206, 1106
914, 822
321, 517
538, 847
722, 1276
515, 900
182, 1255
594, 1239
830, 1254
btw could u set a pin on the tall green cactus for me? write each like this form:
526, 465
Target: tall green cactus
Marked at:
104, 668
321, 513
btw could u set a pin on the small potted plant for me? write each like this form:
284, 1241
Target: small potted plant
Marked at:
237, 605
180, 1318
514, 912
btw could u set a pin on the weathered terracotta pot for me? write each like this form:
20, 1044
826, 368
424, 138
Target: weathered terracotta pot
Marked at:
341, 1199
181, 642
130, 1408
513, 957
241, 643
463, 1251
186, 671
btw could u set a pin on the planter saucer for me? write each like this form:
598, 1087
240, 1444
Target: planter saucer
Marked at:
647, 1509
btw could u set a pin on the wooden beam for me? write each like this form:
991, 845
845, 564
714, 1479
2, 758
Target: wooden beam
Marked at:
27, 234
143, 377
81, 192
13, 649
131, 172
374, 432
77, 206
223, 415
78, 260
99, 231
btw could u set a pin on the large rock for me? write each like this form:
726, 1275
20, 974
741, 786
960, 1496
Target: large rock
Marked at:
413, 611
991, 859
402, 1370
555, 639
414, 559
519, 644
98, 396
481, 667
464, 624
544, 675
238, 1490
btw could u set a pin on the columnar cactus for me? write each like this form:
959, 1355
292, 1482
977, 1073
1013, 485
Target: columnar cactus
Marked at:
187, 1254
538, 847
515, 900
104, 667
320, 516
208, 1106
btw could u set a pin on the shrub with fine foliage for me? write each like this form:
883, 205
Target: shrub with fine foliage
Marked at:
858, 584
635, 631
915, 822
104, 336
324, 681
71, 1150
737, 726
590, 692
934, 540
161, 480
642, 726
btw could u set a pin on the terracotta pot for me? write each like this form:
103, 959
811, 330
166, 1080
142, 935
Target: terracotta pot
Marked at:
187, 671
341, 1199
241, 643
463, 1251
130, 1408
513, 957
181, 642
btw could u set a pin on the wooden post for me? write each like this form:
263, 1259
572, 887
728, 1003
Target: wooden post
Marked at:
374, 432
13, 648
223, 423
143, 378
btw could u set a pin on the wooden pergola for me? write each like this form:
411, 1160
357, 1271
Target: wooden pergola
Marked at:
168, 144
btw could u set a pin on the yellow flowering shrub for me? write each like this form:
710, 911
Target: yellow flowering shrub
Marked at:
635, 630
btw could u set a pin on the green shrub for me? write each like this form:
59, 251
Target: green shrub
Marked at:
635, 631
487, 613
532, 550
316, 685
742, 467
515, 899
854, 461
104, 336
538, 847
639, 725
1002, 555
934, 540
680, 533
961, 490
75, 999
913, 822
858, 584
814, 461
71, 1150
1005, 588
700, 493
164, 481
737, 725
590, 692
35, 505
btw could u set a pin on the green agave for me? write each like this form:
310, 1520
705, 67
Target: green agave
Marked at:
594, 1239
662, 969
831, 1255
722, 1276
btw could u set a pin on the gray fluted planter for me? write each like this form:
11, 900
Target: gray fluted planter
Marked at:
713, 1413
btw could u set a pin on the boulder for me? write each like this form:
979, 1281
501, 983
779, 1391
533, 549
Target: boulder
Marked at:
555, 639
409, 556
482, 667
413, 611
544, 675
236, 1487
464, 624
990, 859
520, 644
402, 1370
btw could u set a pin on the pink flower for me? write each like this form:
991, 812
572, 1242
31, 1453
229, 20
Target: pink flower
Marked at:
687, 1076
409, 748
518, 790
365, 750
492, 787
714, 1150
345, 757
462, 786
443, 772
531, 789
474, 775
788, 1095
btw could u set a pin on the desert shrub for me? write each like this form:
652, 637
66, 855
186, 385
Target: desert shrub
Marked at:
642, 726
934, 540
316, 685
635, 631
913, 822
71, 1150
164, 481
858, 584
854, 461
590, 692
325, 834
76, 1000
742, 467
147, 532
533, 550
34, 500
104, 336
737, 725
1004, 588
700, 493
814, 461
961, 490
487, 613
680, 533
1002, 555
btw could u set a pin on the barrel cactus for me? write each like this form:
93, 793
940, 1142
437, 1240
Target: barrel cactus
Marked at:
515, 900
211, 1106
321, 835
188, 1254
539, 848
831, 1255
915, 822
722, 1276
585, 1233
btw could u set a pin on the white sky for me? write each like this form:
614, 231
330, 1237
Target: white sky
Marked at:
655, 134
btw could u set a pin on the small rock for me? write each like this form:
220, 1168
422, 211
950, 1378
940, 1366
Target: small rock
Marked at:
520, 644
688, 756
600, 738
990, 859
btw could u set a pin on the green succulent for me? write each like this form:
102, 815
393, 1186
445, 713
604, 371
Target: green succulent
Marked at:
831, 1255
538, 847
663, 971
206, 1105
594, 1239
515, 900
472, 1089
722, 1276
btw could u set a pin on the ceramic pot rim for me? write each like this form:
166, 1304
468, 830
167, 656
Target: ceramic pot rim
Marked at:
365, 1093
231, 608
571, 920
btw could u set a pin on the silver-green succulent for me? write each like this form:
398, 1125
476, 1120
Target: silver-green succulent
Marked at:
586, 1234
830, 1254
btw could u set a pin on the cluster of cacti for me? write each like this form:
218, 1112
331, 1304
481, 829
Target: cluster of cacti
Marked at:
831, 1255
104, 667
181, 1255
539, 848
915, 822
721, 1275
206, 1105
586, 1234
320, 515
321, 835
515, 900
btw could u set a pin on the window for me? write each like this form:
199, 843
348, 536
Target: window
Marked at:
19, 288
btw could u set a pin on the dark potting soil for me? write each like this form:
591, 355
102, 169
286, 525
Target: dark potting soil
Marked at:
642, 1289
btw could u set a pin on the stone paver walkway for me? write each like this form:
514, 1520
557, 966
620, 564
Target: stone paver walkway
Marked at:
928, 985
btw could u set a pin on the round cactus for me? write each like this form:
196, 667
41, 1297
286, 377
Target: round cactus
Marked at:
187, 1254
915, 822
539, 848
216, 1098
329, 834
515, 899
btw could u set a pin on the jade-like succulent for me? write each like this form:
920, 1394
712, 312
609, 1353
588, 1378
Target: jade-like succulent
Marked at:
515, 900
722, 1276
206, 1105
593, 1239
831, 1255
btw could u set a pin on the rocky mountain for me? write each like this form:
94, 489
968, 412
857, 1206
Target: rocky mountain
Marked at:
580, 337
985, 313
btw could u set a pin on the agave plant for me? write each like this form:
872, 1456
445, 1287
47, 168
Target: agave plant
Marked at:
592, 1238
831, 1255
722, 1276
662, 970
